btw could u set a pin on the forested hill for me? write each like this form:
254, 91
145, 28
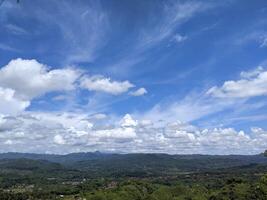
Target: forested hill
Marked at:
93, 160
104, 176
68, 158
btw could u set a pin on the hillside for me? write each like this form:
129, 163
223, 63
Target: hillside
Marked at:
131, 176
101, 164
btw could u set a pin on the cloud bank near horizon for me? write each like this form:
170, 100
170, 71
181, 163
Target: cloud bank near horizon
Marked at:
156, 130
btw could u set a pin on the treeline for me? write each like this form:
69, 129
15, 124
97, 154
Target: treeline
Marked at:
234, 189
135, 177
136, 189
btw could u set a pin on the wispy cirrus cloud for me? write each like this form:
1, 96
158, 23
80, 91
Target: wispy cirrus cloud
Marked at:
85, 32
79, 28
159, 28
174, 14
179, 38
190, 108
264, 41
14, 29
233, 96
8, 48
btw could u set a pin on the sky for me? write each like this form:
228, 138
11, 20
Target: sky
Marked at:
154, 76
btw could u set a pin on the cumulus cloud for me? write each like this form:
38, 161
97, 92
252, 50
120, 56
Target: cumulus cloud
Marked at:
154, 131
9, 142
179, 130
251, 84
198, 105
103, 84
252, 73
9, 104
128, 121
116, 133
140, 92
23, 80
64, 133
98, 116
58, 139
29, 78
9, 123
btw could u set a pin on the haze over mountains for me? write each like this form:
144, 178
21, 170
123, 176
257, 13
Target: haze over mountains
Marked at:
98, 160
96, 175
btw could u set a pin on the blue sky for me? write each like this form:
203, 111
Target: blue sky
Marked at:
133, 76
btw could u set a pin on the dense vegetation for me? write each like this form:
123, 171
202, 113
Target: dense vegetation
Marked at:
132, 176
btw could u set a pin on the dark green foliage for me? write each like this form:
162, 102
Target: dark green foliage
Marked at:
132, 177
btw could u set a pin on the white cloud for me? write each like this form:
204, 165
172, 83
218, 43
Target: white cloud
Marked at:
98, 116
198, 105
116, 133
103, 84
23, 80
128, 121
16, 29
8, 142
58, 139
29, 78
9, 104
252, 84
171, 15
179, 130
60, 98
264, 42
179, 38
253, 73
9, 123
78, 39
69, 132
192, 107
6, 47
174, 14
65, 133
85, 33
139, 92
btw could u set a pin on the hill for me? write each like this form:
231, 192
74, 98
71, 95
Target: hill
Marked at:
102, 164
